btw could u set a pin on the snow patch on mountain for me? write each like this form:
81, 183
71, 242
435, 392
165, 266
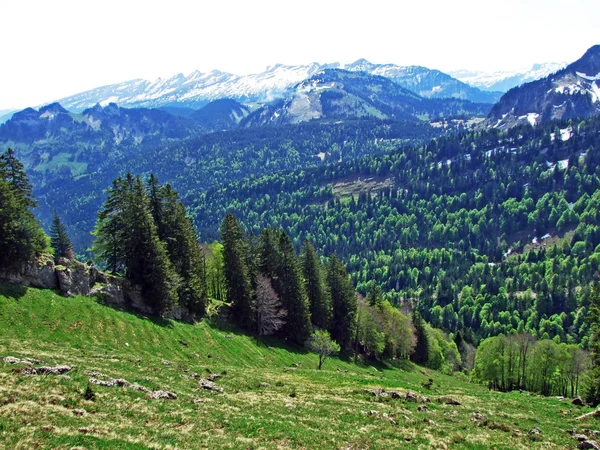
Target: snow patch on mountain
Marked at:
505, 80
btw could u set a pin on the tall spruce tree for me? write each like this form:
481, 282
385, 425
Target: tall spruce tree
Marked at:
421, 353
290, 288
127, 240
147, 261
176, 230
318, 296
110, 228
59, 239
21, 236
343, 300
237, 278
593, 319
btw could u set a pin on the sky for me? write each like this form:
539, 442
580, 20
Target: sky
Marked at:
52, 49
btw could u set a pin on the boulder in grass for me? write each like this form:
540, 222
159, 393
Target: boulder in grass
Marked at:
162, 394
209, 385
447, 400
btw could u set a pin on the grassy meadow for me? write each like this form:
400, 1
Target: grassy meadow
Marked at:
273, 396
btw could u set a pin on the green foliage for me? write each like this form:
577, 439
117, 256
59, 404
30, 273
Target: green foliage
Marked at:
421, 353
176, 230
343, 300
146, 235
318, 296
291, 290
59, 239
459, 214
21, 236
519, 361
593, 319
321, 343
237, 279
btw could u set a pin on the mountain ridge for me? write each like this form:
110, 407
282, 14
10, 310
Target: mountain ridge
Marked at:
197, 89
569, 93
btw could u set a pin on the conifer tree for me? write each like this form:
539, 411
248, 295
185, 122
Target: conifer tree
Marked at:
421, 353
110, 228
237, 279
147, 260
14, 173
316, 290
269, 253
59, 239
290, 288
343, 300
593, 319
21, 236
176, 230
127, 240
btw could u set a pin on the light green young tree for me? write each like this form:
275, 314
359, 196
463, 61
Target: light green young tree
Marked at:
321, 343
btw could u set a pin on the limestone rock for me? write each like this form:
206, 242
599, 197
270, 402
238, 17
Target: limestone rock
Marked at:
162, 394
447, 400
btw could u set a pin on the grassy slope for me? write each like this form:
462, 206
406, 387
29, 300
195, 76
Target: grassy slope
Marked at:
326, 412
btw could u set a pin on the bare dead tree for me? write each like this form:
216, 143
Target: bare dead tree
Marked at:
270, 315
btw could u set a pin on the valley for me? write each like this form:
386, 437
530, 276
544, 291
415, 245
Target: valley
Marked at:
434, 244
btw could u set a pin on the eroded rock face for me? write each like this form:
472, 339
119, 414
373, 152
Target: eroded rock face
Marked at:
71, 277
40, 274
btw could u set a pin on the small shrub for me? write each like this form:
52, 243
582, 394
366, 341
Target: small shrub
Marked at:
89, 394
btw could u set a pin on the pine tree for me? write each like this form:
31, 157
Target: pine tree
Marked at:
59, 239
374, 298
147, 260
593, 319
318, 296
290, 289
421, 353
237, 279
21, 236
110, 228
343, 299
176, 230
127, 240
14, 173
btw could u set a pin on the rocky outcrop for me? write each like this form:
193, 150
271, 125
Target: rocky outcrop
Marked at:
40, 274
71, 277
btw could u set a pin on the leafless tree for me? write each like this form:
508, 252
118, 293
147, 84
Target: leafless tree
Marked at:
270, 316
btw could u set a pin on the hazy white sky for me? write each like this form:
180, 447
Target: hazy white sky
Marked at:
51, 49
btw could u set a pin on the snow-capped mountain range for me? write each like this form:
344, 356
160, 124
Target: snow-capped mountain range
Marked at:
197, 89
505, 80
569, 93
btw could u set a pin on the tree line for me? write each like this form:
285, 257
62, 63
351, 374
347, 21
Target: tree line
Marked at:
274, 290
143, 232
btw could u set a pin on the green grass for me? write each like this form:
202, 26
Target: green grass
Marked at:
63, 159
301, 408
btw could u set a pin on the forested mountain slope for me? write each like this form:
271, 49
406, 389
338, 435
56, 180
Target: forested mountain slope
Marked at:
488, 231
71, 169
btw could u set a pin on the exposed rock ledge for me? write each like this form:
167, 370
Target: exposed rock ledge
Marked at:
71, 277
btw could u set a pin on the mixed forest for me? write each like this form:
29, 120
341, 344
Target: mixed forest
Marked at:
475, 251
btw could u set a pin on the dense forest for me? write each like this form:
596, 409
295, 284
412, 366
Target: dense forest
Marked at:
485, 232
76, 172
